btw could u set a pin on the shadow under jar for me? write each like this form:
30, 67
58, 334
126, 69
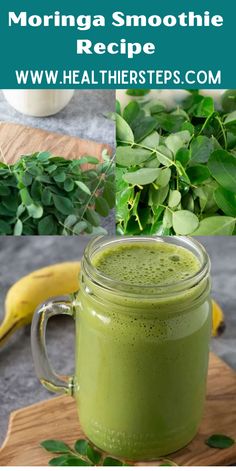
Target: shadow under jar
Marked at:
143, 324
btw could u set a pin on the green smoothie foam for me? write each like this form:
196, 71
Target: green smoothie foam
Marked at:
141, 360
147, 263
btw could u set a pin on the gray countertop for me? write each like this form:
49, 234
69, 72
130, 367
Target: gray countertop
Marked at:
18, 256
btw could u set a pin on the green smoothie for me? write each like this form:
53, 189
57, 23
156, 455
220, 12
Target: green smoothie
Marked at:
146, 263
142, 349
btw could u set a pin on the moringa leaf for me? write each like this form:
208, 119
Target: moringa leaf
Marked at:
25, 197
102, 206
93, 455
131, 112
26, 179
205, 108
81, 447
80, 227
201, 148
183, 156
220, 441
69, 184
59, 460
185, 222
46, 226
167, 219
164, 155
55, 446
137, 92
163, 177
123, 130
18, 228
46, 197
5, 228
127, 156
143, 176
109, 194
109, 461
63, 205
174, 198
70, 221
222, 166
144, 128
226, 201
215, 225
176, 141
198, 174
73, 461
83, 187
228, 101
35, 211
151, 141
92, 217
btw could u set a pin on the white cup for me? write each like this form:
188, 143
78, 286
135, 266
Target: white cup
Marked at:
38, 103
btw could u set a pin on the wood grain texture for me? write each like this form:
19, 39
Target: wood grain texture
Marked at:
17, 140
57, 419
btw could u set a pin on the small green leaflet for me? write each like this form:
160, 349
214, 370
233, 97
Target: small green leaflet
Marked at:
18, 228
174, 198
35, 211
137, 92
205, 107
83, 187
63, 204
123, 130
226, 201
201, 148
215, 225
222, 166
164, 155
102, 206
144, 176
220, 441
55, 446
126, 156
46, 226
79, 227
185, 222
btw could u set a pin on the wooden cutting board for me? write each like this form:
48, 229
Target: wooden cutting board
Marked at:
57, 419
16, 140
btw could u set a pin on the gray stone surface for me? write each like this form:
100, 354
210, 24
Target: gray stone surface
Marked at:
84, 117
18, 256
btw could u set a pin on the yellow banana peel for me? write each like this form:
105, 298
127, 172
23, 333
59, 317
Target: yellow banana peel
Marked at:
218, 324
30, 291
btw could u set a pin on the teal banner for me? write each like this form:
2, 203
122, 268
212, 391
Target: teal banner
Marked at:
125, 44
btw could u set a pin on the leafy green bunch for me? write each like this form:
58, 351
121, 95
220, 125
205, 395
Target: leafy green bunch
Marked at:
82, 454
42, 194
176, 169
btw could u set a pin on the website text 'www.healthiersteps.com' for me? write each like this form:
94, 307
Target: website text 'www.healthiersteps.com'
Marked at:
119, 77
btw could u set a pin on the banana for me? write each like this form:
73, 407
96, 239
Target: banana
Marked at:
30, 291
218, 325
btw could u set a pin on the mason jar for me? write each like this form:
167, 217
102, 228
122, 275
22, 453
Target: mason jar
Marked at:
141, 354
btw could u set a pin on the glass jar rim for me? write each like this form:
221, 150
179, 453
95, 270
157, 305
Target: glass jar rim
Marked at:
97, 244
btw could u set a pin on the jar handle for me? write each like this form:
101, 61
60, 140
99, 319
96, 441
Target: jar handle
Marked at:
47, 376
